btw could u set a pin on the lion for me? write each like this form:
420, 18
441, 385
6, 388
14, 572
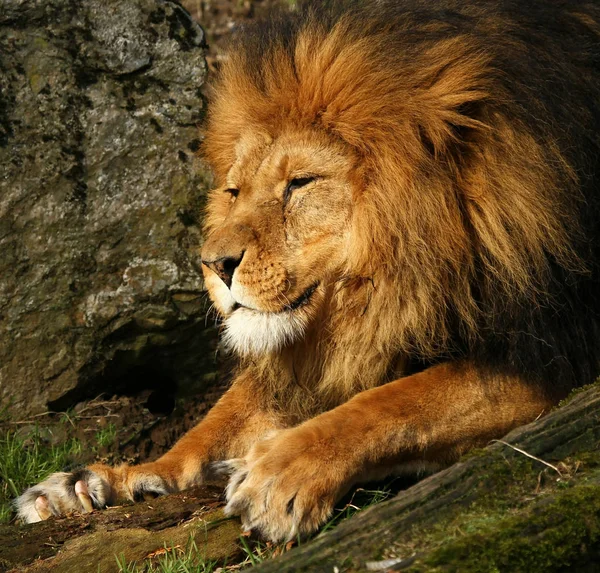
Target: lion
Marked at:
402, 242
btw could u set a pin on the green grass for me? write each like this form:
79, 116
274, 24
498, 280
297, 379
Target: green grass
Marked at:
25, 461
106, 436
172, 560
361, 499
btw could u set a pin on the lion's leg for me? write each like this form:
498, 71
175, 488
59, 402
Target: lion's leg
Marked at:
292, 480
227, 431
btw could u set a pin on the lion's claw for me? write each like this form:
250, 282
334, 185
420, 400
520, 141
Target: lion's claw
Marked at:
282, 488
81, 491
42, 507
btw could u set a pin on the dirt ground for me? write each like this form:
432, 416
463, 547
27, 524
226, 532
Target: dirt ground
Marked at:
115, 429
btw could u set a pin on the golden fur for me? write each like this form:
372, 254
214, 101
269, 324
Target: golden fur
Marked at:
402, 242
413, 194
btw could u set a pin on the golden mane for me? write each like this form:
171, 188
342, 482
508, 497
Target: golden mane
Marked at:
463, 206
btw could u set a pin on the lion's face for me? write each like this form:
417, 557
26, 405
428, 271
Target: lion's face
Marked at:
277, 236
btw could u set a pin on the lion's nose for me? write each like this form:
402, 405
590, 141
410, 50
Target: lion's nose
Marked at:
224, 267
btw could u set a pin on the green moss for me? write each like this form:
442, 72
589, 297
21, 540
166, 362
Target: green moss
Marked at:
550, 536
510, 513
576, 392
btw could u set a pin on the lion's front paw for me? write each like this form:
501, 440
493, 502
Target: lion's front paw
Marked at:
63, 493
286, 485
91, 488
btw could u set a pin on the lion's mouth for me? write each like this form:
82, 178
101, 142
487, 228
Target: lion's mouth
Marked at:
301, 301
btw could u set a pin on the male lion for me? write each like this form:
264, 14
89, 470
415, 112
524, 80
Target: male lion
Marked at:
403, 244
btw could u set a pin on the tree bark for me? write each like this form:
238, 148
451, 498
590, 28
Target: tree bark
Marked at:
497, 510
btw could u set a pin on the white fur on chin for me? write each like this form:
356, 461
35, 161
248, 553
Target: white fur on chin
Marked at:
253, 332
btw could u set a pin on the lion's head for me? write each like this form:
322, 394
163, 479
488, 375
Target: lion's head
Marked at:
375, 193
280, 226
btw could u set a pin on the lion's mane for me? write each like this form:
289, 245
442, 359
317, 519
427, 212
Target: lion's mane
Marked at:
475, 233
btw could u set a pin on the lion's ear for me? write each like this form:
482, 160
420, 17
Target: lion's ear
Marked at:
447, 133
449, 101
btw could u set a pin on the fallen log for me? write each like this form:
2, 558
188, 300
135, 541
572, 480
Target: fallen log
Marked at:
133, 532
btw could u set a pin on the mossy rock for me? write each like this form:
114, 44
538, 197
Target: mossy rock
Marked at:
101, 194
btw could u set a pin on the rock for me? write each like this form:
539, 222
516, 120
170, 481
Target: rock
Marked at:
100, 194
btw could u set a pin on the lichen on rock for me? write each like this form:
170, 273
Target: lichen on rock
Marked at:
100, 194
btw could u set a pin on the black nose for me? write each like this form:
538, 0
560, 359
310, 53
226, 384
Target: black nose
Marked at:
225, 267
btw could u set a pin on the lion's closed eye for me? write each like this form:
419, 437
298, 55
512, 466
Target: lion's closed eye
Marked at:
296, 183
233, 192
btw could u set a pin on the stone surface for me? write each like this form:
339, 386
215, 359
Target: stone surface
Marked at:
100, 194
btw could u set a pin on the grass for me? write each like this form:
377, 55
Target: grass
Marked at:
171, 560
106, 436
361, 499
25, 461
